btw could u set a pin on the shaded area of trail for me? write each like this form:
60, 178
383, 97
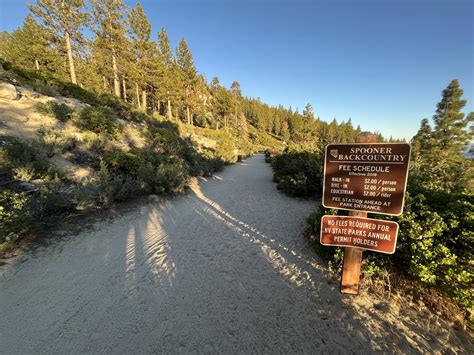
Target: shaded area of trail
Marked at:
223, 269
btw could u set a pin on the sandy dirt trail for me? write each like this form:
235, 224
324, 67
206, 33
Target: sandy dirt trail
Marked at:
222, 269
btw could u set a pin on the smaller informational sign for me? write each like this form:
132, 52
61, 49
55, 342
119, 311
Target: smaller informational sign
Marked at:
358, 232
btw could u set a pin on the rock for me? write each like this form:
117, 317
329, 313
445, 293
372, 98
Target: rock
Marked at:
8, 91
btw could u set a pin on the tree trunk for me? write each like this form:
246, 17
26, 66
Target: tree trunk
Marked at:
188, 115
104, 82
144, 105
137, 91
37, 64
116, 76
159, 107
176, 114
170, 114
124, 88
72, 70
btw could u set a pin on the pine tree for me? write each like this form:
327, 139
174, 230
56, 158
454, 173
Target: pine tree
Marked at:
167, 91
63, 19
439, 161
237, 95
144, 52
308, 112
215, 83
235, 89
188, 76
450, 124
32, 47
223, 104
285, 132
110, 33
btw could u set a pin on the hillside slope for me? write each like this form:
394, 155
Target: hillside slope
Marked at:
64, 150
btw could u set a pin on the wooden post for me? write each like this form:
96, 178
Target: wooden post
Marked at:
353, 256
351, 265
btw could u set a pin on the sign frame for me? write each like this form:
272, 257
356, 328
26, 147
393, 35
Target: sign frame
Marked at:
366, 144
356, 247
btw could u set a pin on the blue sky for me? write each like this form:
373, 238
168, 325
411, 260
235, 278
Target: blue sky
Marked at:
383, 63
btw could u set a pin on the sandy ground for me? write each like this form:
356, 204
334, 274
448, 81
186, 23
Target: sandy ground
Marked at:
223, 269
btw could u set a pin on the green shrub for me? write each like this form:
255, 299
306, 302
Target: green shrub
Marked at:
15, 154
5, 65
97, 120
78, 93
61, 112
51, 205
200, 165
94, 142
122, 162
44, 89
436, 241
298, 173
57, 140
120, 107
13, 219
169, 176
269, 155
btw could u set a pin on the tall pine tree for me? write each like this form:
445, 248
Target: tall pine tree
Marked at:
144, 52
32, 47
188, 76
450, 123
110, 32
63, 19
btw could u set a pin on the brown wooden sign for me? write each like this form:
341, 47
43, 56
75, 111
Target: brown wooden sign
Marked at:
358, 232
368, 177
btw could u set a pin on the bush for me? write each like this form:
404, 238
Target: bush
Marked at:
298, 173
61, 112
51, 205
57, 141
21, 212
97, 120
22, 156
122, 162
269, 155
78, 93
169, 176
120, 107
13, 219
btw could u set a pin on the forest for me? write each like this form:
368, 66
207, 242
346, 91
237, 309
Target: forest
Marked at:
108, 48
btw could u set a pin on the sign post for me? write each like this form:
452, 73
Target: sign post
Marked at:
351, 263
364, 177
